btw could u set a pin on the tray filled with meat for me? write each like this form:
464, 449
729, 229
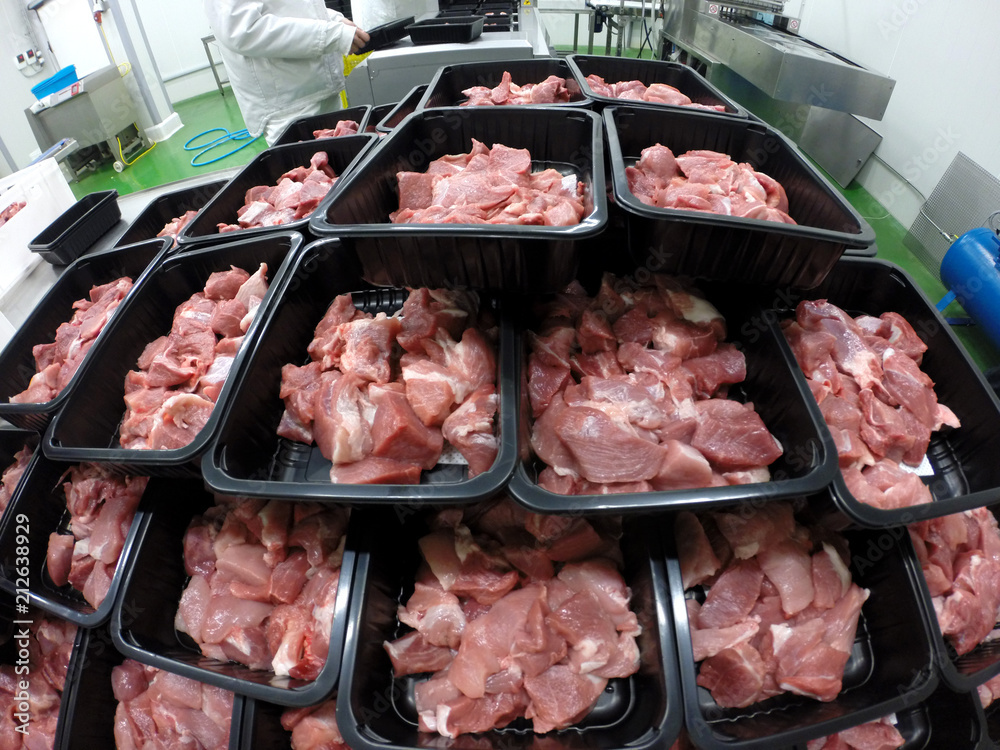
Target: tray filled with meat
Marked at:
268, 725
917, 426
117, 702
167, 215
79, 522
652, 83
148, 396
655, 395
500, 627
38, 654
788, 631
474, 198
396, 114
373, 395
17, 450
718, 197
279, 189
245, 594
39, 368
342, 122
539, 81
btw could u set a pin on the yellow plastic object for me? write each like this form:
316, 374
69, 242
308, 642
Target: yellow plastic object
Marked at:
350, 63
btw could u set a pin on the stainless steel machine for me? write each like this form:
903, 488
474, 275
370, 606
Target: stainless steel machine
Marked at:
752, 50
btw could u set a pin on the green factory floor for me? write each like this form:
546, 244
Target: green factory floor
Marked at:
168, 162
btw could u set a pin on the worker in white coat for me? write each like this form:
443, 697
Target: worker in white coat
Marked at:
284, 58
371, 13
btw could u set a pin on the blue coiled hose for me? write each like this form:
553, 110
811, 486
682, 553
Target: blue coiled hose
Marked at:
204, 148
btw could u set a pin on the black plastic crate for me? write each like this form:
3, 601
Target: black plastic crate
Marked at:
680, 76
142, 624
17, 364
78, 228
892, 666
302, 130
87, 719
265, 169
40, 507
526, 259
781, 399
642, 711
455, 30
407, 105
445, 88
87, 427
751, 251
163, 210
966, 472
249, 458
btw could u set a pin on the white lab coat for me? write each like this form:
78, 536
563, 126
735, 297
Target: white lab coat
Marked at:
371, 13
284, 58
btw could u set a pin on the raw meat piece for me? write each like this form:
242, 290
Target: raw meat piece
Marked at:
550, 91
343, 127
735, 676
470, 429
56, 363
698, 559
874, 735
989, 691
660, 93
314, 727
732, 595
12, 476
11, 211
175, 226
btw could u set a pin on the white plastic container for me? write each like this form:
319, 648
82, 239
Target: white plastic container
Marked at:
46, 194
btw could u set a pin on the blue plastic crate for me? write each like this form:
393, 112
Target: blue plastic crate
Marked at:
62, 79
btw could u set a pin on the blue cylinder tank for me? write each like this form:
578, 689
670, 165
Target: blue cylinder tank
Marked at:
969, 269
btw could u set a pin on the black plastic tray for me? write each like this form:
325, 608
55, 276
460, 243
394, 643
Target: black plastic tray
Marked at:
87, 427
249, 458
302, 130
42, 501
751, 251
681, 77
87, 719
498, 257
445, 88
892, 665
11, 442
142, 624
966, 470
78, 228
17, 364
163, 210
455, 30
386, 35
265, 169
778, 395
262, 726
407, 105
379, 113
643, 711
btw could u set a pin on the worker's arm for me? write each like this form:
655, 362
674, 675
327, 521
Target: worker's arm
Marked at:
244, 27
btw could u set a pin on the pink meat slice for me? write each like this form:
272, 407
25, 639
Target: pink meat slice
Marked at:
435, 613
732, 595
223, 285
374, 470
560, 697
367, 347
733, 436
470, 429
397, 431
340, 428
697, 558
735, 676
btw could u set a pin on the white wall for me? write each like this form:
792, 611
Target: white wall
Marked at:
943, 57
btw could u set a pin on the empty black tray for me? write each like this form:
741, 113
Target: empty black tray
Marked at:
457, 29
78, 228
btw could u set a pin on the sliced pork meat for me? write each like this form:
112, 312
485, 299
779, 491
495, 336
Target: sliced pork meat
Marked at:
170, 398
656, 93
383, 393
874, 735
175, 226
879, 406
550, 91
56, 363
781, 613
158, 709
343, 127
314, 727
508, 627
263, 584
12, 476
101, 505
627, 393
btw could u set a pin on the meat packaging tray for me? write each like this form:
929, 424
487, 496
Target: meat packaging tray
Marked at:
379, 113
302, 130
265, 169
681, 77
642, 711
142, 624
406, 106
456, 30
445, 88
527, 259
262, 726
17, 364
782, 400
11, 442
87, 719
706, 245
163, 210
892, 665
249, 458
966, 473
87, 427
40, 507
78, 228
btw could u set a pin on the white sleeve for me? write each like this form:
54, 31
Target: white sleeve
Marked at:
243, 26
